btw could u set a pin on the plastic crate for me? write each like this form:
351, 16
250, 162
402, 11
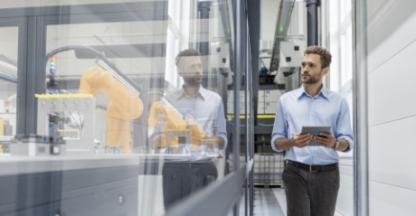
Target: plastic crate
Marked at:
268, 169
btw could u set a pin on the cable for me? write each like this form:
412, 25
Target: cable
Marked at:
98, 55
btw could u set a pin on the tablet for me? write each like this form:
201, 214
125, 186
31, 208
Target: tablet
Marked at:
315, 130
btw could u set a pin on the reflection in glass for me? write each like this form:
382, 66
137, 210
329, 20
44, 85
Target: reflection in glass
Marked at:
193, 112
8, 82
188, 121
140, 129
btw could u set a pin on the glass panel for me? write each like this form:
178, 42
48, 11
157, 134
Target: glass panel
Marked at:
129, 53
8, 81
340, 44
133, 119
44, 3
283, 37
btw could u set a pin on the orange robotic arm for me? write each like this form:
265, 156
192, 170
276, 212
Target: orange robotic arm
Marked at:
124, 105
173, 122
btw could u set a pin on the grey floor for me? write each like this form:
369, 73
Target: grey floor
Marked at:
267, 202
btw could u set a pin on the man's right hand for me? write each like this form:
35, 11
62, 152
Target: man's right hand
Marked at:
301, 140
298, 140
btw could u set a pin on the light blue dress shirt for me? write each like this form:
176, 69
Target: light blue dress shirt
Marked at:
206, 108
297, 108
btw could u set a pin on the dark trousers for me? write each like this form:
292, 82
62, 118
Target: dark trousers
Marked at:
310, 193
182, 178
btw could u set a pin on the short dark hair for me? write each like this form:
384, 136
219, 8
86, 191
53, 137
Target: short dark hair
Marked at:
322, 52
185, 53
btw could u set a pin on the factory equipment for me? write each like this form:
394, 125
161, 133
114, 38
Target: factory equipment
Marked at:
289, 64
168, 128
70, 116
36, 145
279, 72
124, 105
290, 54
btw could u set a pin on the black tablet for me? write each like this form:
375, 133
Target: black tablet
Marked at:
315, 130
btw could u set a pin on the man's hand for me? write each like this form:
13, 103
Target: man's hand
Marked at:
326, 139
213, 141
298, 140
301, 140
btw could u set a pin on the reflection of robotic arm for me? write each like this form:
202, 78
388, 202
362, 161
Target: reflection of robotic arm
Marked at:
169, 125
124, 105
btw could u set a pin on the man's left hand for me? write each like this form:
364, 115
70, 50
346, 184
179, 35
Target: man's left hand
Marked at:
325, 139
213, 141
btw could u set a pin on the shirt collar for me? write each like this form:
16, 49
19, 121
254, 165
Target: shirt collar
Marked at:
322, 93
202, 93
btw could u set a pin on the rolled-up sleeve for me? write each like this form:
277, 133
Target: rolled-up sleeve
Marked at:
343, 128
279, 127
221, 124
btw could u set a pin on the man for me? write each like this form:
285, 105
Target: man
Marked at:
196, 105
195, 102
311, 175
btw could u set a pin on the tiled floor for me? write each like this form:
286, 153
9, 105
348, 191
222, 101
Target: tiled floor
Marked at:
268, 202
265, 203
281, 198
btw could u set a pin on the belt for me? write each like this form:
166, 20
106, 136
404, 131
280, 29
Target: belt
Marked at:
313, 168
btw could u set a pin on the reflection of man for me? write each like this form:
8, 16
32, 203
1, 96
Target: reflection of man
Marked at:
197, 103
204, 108
311, 176
191, 108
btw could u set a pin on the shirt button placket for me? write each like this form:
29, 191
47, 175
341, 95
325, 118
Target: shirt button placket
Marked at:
311, 121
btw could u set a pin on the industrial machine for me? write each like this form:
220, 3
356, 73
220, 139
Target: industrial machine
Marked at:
124, 102
70, 116
168, 128
124, 105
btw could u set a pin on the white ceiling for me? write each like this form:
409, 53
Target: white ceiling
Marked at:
106, 33
97, 34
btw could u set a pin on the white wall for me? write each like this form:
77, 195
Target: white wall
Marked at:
392, 108
337, 37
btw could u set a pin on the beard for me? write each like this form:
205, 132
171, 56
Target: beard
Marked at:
193, 81
308, 79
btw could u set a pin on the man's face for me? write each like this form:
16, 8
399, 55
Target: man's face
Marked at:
190, 69
312, 72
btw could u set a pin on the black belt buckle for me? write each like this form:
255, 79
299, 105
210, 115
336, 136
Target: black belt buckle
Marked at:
313, 169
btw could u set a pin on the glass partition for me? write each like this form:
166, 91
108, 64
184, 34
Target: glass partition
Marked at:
8, 83
339, 31
134, 117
